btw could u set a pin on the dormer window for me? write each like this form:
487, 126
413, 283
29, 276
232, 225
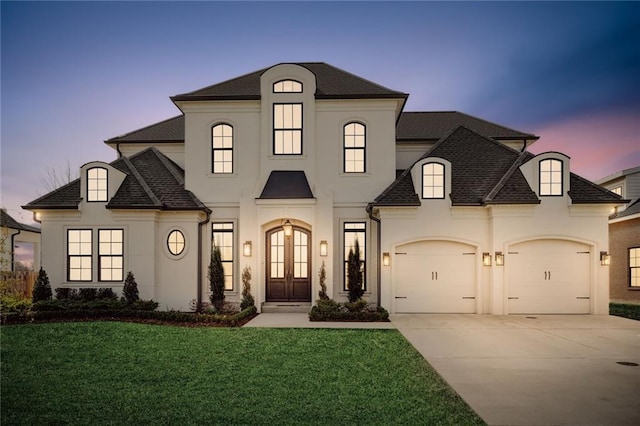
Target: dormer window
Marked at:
433, 180
97, 184
550, 177
287, 86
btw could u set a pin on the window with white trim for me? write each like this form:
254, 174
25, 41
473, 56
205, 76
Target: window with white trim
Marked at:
175, 242
550, 177
287, 86
354, 138
617, 190
634, 267
97, 184
110, 255
354, 231
79, 254
287, 129
222, 237
222, 148
432, 180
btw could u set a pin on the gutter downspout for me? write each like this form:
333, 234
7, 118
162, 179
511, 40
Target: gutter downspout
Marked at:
199, 284
13, 252
379, 254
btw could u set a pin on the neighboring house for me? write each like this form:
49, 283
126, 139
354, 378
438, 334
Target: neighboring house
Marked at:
624, 235
14, 234
286, 167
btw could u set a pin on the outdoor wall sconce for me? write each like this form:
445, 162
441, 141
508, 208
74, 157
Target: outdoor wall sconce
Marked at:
499, 258
486, 258
386, 258
288, 228
324, 248
605, 258
247, 249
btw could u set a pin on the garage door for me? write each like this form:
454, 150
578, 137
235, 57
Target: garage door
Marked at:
548, 277
435, 277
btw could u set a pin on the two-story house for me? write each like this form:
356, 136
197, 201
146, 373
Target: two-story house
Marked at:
286, 167
624, 235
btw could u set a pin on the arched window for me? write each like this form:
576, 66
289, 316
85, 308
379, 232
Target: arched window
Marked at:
97, 184
287, 86
222, 148
550, 177
354, 138
175, 242
432, 180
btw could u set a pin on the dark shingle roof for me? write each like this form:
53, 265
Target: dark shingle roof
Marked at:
585, 192
285, 184
170, 130
483, 171
431, 126
331, 83
8, 222
632, 209
153, 181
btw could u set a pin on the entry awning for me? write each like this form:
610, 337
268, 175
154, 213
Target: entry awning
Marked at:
286, 184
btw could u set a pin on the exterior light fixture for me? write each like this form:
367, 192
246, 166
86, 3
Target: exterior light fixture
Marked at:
486, 258
499, 258
288, 228
386, 258
605, 258
324, 248
37, 217
247, 249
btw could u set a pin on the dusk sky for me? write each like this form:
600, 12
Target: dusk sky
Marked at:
75, 74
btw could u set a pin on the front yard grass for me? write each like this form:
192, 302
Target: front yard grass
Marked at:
114, 373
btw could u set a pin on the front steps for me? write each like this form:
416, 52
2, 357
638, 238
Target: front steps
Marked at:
286, 307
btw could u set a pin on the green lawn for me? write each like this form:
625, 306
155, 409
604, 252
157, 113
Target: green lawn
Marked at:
123, 373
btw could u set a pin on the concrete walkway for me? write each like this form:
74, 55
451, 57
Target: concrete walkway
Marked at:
535, 370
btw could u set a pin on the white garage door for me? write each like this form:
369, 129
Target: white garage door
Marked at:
548, 277
435, 277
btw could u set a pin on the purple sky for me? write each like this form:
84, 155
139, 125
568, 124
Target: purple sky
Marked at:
74, 74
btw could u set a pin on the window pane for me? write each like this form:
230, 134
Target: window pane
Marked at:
97, 184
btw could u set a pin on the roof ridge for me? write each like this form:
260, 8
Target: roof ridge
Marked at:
505, 178
136, 174
144, 128
168, 164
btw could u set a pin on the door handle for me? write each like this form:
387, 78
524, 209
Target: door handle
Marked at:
545, 275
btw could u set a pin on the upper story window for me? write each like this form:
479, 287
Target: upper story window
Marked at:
222, 148
433, 180
550, 177
287, 86
617, 190
354, 136
97, 184
287, 129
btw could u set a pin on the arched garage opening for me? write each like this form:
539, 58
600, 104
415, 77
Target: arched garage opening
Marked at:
548, 276
435, 276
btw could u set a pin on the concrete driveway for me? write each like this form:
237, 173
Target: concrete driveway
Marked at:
535, 370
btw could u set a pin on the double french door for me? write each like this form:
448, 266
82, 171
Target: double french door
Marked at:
288, 265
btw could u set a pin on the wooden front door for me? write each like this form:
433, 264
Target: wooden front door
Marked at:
288, 266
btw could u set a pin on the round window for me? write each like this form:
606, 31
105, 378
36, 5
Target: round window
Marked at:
175, 242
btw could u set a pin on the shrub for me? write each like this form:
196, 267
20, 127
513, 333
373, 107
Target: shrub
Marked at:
106, 293
357, 306
354, 273
88, 294
216, 278
626, 310
247, 298
331, 312
42, 288
14, 304
322, 276
63, 293
130, 290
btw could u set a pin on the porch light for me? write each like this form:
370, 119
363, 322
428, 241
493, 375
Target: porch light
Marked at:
247, 249
605, 258
499, 258
288, 228
486, 258
386, 258
324, 248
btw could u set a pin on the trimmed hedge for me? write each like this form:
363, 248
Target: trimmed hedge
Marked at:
626, 310
128, 314
330, 310
98, 304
